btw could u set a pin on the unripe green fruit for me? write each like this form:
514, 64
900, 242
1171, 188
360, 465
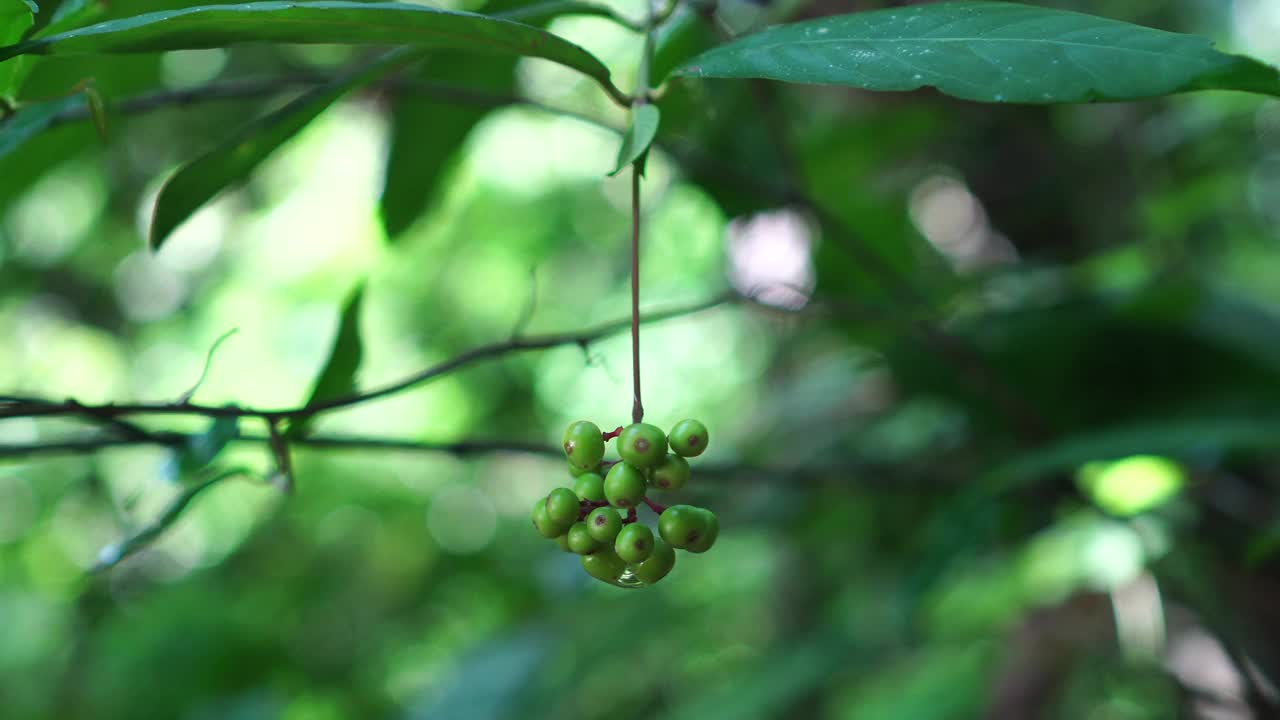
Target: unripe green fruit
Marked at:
634, 543
659, 563
603, 564
708, 536
583, 444
604, 524
563, 506
580, 540
689, 438
576, 471
545, 526
624, 486
642, 445
681, 525
562, 542
589, 487
672, 473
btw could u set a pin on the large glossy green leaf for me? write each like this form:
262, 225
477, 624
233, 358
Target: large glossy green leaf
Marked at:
988, 52
338, 377
329, 21
200, 180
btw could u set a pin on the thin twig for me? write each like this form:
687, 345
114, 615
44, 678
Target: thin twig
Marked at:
284, 460
208, 363
637, 406
30, 407
112, 555
252, 88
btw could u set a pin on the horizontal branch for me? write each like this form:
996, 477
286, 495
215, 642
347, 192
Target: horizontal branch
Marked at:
869, 473
255, 88
14, 407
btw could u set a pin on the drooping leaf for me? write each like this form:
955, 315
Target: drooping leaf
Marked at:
426, 134
338, 377
15, 20
202, 448
62, 15
988, 52
539, 13
200, 180
327, 21
31, 119
638, 137
1195, 436
683, 36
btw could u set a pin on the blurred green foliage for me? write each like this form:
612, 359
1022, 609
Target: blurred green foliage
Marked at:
922, 516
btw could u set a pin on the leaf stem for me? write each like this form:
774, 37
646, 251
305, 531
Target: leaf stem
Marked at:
637, 407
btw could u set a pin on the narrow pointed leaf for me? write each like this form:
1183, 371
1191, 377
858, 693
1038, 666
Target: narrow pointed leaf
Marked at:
427, 134
200, 449
325, 21
338, 378
31, 119
638, 137
988, 52
200, 180
15, 19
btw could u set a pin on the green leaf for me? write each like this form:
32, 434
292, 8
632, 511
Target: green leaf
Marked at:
201, 449
638, 137
426, 134
540, 13
31, 119
329, 22
1178, 438
988, 52
338, 378
683, 36
62, 15
15, 20
200, 180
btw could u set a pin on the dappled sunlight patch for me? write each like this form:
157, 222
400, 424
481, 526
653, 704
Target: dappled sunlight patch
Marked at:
1132, 485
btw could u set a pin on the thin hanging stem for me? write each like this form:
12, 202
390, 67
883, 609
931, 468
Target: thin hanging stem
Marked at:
637, 408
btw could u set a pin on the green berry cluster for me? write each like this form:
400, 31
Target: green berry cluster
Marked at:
597, 519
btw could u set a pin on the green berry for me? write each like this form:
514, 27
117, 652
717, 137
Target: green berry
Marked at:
589, 487
604, 524
681, 525
708, 536
545, 526
563, 542
642, 445
576, 471
563, 506
580, 540
658, 564
583, 444
634, 543
689, 438
624, 486
604, 564
672, 473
